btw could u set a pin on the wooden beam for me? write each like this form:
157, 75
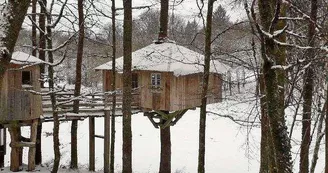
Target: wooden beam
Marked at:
32, 149
22, 144
106, 140
14, 155
99, 136
91, 144
2, 146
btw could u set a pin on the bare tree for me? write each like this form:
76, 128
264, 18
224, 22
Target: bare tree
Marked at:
207, 59
308, 92
127, 80
112, 137
77, 89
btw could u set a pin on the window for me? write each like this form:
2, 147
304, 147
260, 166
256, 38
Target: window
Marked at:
155, 79
26, 78
134, 80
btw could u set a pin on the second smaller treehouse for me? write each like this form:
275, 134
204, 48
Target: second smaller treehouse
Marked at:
18, 104
168, 77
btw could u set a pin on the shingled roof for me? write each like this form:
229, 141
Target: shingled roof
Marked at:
167, 56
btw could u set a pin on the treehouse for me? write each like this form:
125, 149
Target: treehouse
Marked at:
20, 107
17, 103
167, 77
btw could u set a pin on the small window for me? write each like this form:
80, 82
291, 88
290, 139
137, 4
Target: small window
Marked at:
156, 79
26, 78
134, 80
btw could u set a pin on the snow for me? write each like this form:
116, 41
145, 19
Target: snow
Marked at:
3, 25
22, 58
167, 56
230, 148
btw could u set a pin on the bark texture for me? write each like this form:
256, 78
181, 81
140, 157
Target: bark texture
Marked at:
127, 80
202, 121
77, 89
308, 93
165, 162
272, 54
164, 19
113, 130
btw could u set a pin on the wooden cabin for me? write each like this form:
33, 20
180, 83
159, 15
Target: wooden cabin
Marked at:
18, 104
168, 77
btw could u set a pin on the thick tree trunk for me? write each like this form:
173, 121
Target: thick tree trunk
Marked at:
12, 16
164, 18
165, 162
202, 121
127, 79
308, 93
77, 89
264, 166
165, 133
113, 130
274, 84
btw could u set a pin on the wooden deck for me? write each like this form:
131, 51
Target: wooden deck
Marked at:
91, 105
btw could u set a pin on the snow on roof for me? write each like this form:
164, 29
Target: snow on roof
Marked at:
167, 56
22, 58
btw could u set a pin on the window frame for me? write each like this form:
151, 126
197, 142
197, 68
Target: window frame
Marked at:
156, 80
30, 80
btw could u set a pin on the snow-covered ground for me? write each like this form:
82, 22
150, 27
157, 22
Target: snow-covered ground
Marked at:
230, 148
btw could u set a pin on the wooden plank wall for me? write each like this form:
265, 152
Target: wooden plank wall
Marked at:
21, 105
176, 93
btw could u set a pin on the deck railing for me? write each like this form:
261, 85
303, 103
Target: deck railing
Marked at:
91, 104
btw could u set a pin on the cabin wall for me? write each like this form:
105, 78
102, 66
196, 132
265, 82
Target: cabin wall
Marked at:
107, 80
175, 92
155, 98
186, 91
21, 104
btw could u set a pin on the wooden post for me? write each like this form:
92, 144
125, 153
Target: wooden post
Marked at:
14, 155
2, 146
106, 140
31, 151
91, 144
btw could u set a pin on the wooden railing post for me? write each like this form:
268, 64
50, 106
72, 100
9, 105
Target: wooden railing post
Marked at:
106, 135
91, 144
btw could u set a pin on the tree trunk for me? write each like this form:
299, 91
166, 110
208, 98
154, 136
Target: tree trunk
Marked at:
308, 93
326, 132
42, 38
165, 133
264, 166
164, 18
274, 84
127, 80
113, 130
12, 17
38, 152
56, 142
165, 162
77, 90
202, 121
10, 27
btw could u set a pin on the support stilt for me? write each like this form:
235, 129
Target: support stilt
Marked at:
31, 152
165, 118
107, 141
14, 155
2, 146
91, 144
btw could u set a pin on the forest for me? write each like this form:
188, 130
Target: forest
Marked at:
164, 86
